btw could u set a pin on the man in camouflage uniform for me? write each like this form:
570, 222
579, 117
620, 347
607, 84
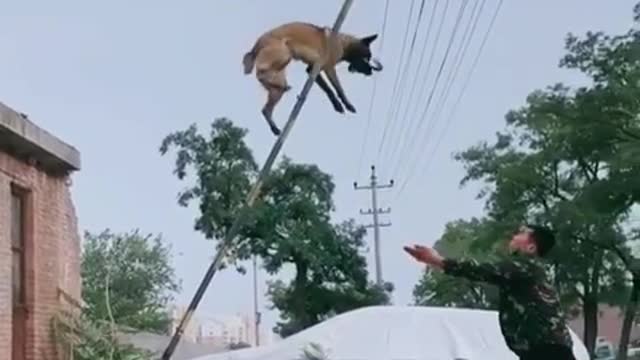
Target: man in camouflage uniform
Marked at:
531, 320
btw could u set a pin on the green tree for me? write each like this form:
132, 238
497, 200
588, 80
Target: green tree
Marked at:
330, 278
330, 273
536, 171
224, 170
438, 289
82, 338
564, 160
127, 279
289, 225
613, 64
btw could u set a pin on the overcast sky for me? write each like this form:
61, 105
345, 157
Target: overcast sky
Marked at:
113, 78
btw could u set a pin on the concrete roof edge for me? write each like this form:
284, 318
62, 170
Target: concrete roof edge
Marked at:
42, 145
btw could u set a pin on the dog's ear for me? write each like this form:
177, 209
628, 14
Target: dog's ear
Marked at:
369, 39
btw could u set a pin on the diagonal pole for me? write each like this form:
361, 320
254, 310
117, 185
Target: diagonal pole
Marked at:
253, 194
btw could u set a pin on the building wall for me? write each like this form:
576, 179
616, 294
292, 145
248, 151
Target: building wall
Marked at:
54, 254
609, 325
225, 330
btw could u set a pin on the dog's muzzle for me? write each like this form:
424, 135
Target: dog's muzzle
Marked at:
376, 65
364, 67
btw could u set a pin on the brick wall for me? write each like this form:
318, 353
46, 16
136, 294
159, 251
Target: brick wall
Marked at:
53, 253
609, 325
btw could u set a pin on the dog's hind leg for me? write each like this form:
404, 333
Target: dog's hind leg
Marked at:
271, 62
276, 85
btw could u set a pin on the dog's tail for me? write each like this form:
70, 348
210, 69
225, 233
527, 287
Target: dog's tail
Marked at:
249, 59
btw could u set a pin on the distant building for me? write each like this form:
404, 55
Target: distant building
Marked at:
609, 325
221, 330
39, 239
226, 330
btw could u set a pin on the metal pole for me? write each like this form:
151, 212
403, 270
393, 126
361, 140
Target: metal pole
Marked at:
256, 313
375, 211
376, 229
253, 195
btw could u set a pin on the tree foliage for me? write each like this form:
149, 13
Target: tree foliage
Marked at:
224, 170
329, 280
568, 159
289, 225
82, 338
127, 278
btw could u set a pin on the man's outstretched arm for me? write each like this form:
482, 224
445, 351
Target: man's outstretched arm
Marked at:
492, 272
500, 272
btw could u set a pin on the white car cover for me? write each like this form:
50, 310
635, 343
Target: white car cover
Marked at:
395, 333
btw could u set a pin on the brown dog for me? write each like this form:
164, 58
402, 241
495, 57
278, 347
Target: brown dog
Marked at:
275, 49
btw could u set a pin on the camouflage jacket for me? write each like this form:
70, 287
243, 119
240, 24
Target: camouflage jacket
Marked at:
529, 306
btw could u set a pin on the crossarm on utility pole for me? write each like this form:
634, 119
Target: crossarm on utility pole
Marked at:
227, 242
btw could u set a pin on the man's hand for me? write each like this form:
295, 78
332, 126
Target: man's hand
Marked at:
425, 255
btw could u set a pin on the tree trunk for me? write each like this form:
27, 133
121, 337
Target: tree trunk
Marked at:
300, 284
590, 314
590, 305
629, 317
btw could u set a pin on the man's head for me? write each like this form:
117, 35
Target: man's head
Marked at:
533, 240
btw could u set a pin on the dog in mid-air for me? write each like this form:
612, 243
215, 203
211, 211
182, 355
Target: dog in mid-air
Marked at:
305, 42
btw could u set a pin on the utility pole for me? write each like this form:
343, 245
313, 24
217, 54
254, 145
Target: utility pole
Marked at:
375, 211
256, 313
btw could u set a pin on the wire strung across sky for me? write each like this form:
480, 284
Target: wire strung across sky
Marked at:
395, 85
373, 92
448, 84
455, 107
423, 88
422, 117
396, 103
403, 139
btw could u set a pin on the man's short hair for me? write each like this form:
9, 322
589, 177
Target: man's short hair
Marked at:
544, 239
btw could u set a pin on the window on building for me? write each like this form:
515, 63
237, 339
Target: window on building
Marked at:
18, 273
17, 248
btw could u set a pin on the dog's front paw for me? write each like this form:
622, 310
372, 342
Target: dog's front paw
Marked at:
275, 130
350, 108
338, 107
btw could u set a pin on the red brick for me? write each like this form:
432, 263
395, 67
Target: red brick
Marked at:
53, 251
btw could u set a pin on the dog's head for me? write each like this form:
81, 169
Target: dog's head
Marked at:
357, 52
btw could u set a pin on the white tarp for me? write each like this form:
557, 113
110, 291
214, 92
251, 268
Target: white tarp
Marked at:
396, 333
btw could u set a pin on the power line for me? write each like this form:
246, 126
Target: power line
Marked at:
395, 85
431, 58
396, 102
460, 96
426, 74
458, 58
373, 91
440, 70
